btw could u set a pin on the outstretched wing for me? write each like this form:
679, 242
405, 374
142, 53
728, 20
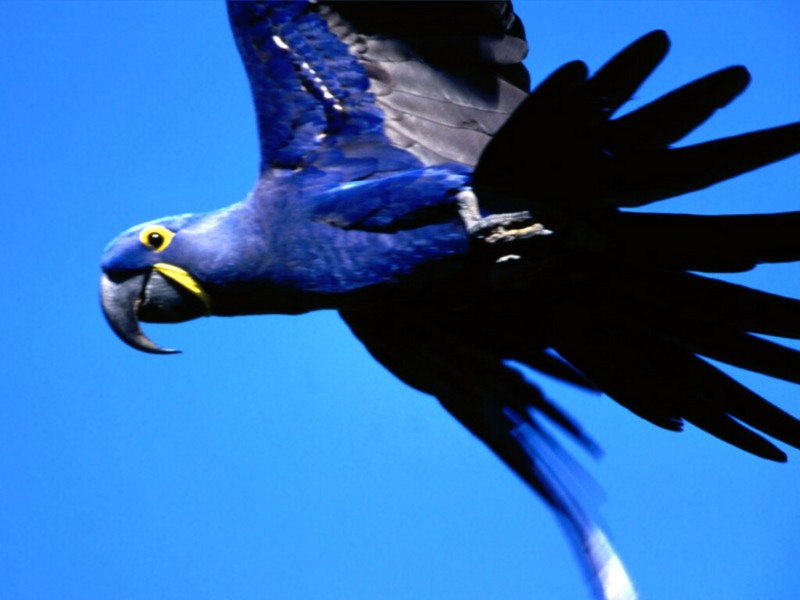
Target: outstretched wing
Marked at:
628, 313
373, 87
611, 292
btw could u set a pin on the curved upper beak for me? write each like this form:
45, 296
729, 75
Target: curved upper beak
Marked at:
165, 294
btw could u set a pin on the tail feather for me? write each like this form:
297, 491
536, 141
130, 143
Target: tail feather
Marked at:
549, 364
614, 581
502, 409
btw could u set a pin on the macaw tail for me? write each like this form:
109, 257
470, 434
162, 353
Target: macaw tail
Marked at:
460, 362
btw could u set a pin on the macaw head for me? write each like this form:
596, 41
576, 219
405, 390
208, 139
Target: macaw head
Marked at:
146, 277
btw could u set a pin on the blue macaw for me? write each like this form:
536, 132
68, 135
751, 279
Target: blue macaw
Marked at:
457, 221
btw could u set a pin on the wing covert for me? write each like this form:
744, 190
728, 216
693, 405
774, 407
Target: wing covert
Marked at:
374, 87
446, 75
309, 92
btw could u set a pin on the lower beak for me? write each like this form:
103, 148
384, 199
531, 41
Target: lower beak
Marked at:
165, 294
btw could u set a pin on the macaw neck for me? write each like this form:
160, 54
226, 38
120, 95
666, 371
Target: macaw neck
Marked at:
223, 245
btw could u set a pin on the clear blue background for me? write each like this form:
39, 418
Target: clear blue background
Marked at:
274, 458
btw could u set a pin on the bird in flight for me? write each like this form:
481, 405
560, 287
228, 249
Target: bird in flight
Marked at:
458, 221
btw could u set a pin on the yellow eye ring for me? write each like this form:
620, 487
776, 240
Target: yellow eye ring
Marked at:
156, 237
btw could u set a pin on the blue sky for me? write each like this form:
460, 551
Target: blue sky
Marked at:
274, 458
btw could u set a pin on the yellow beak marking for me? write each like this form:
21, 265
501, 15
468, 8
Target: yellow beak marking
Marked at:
183, 278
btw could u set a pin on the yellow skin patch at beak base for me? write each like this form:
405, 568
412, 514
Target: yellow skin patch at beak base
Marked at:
180, 276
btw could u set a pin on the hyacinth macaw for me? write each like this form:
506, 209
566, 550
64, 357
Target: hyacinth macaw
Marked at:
457, 221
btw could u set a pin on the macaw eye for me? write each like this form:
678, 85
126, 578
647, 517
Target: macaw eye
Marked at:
156, 237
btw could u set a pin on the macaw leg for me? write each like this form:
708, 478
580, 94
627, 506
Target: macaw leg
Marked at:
503, 227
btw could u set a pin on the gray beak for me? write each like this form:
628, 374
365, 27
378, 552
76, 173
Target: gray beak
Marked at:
150, 297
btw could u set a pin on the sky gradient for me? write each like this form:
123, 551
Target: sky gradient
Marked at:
274, 458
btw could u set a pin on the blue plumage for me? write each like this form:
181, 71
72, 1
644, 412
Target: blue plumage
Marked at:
457, 222
311, 95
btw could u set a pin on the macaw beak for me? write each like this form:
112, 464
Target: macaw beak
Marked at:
164, 294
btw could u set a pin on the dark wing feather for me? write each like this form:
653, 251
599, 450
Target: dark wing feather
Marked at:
639, 343
718, 243
641, 178
626, 161
674, 115
565, 119
441, 358
445, 74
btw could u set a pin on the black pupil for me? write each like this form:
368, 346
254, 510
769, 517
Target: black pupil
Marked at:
155, 240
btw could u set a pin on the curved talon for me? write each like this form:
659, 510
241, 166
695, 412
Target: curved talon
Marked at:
503, 227
510, 235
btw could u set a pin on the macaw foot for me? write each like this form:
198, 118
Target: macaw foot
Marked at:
499, 228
